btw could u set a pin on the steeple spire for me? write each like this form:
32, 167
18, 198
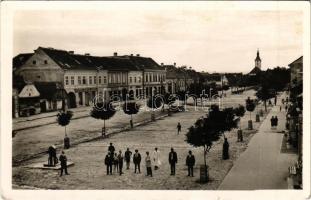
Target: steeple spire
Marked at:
258, 60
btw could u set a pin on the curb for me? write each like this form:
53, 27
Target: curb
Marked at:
49, 123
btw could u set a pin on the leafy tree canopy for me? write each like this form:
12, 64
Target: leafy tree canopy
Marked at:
250, 105
239, 111
207, 130
130, 108
63, 118
102, 110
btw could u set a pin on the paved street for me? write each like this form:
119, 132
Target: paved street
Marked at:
89, 171
262, 165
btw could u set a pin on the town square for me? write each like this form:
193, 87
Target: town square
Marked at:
159, 96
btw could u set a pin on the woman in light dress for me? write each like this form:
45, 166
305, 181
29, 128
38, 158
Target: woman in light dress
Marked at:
156, 158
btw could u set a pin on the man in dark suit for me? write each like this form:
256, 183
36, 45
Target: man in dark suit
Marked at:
127, 157
172, 159
111, 149
108, 162
137, 160
51, 154
63, 163
190, 161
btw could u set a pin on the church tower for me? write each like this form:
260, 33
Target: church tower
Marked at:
258, 60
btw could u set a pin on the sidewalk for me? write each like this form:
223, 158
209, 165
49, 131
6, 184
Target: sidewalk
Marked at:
262, 165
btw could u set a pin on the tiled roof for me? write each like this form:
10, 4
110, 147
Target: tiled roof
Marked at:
174, 72
20, 59
67, 60
299, 60
255, 70
144, 62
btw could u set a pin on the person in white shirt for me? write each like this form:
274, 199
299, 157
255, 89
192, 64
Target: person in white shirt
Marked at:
156, 158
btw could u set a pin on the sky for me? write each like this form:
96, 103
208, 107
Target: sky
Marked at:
207, 40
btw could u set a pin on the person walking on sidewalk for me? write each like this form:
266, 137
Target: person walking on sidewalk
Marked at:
225, 150
172, 159
63, 163
108, 162
156, 158
272, 120
137, 160
148, 164
120, 162
190, 161
178, 128
127, 157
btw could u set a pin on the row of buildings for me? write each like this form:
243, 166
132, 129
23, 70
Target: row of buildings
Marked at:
43, 80
295, 118
49, 78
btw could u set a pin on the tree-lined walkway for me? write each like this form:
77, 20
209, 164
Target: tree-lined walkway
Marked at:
262, 165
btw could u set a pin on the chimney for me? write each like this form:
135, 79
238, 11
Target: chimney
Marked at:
162, 64
87, 54
71, 52
115, 54
174, 64
131, 54
137, 55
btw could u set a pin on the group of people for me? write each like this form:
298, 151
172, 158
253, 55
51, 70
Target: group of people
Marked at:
114, 159
53, 160
154, 159
274, 121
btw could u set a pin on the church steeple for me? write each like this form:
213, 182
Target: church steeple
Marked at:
258, 60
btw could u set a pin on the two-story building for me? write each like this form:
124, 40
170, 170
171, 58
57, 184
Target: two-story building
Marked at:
150, 80
83, 77
171, 78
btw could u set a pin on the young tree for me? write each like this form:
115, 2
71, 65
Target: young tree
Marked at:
63, 119
239, 112
131, 108
103, 111
264, 94
201, 134
250, 107
224, 120
154, 102
209, 129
